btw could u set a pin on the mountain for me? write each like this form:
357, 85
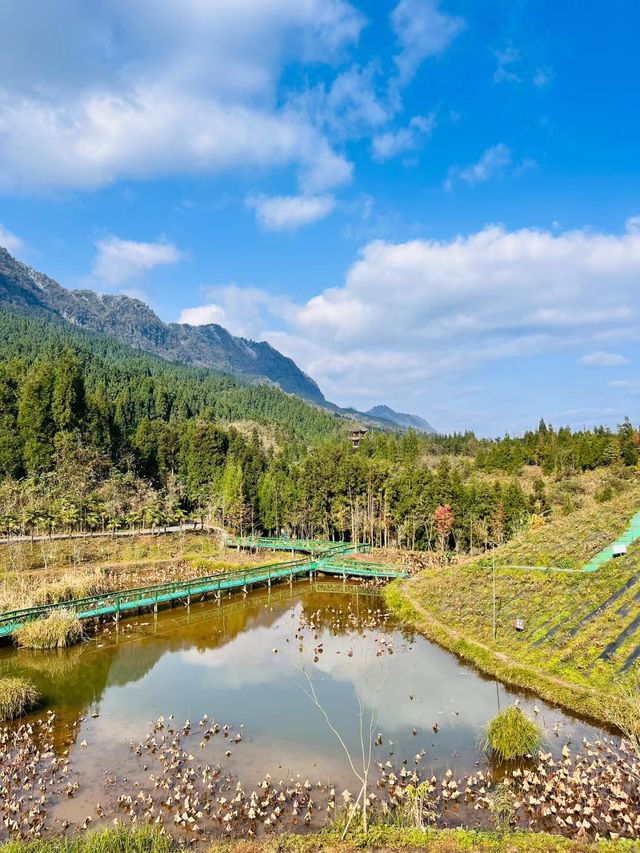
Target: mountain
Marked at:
400, 419
28, 292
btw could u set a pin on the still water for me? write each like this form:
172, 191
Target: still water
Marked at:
254, 665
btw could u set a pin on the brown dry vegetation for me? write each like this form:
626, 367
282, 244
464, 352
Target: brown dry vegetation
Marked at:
80, 568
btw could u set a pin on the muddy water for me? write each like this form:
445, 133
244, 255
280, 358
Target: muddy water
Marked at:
254, 665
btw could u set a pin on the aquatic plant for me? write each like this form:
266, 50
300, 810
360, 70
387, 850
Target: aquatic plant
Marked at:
502, 805
60, 629
17, 696
512, 735
623, 709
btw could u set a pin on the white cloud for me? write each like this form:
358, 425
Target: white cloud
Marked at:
10, 241
493, 163
187, 86
203, 315
121, 261
410, 315
422, 31
603, 359
543, 77
288, 213
507, 60
392, 143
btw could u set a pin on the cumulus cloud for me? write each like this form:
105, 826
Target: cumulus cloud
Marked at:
493, 163
288, 213
409, 314
395, 142
203, 315
185, 87
422, 30
121, 261
603, 359
10, 241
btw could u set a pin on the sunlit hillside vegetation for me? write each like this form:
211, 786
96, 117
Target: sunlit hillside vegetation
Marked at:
95, 436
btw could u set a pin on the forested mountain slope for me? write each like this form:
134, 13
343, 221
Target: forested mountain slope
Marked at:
27, 292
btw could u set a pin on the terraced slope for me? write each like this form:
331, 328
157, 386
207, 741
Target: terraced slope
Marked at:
580, 627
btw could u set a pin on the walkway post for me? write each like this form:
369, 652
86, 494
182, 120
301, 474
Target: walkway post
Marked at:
493, 573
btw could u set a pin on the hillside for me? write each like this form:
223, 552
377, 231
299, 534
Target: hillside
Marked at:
580, 627
28, 292
142, 385
400, 419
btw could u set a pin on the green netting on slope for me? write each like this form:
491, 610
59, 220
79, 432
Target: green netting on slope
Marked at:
630, 535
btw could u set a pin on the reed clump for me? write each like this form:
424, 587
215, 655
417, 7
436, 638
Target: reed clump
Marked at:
60, 629
17, 696
512, 735
71, 586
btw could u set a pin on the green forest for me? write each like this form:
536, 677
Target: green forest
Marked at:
97, 436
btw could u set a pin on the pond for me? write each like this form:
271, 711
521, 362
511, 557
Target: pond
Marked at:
261, 680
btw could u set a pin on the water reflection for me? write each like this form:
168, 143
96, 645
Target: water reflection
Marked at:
241, 663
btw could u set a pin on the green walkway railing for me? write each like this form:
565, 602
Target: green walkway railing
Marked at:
308, 546
124, 601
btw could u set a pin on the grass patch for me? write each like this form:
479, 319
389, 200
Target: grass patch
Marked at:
580, 633
512, 735
17, 696
71, 586
120, 840
60, 629
379, 837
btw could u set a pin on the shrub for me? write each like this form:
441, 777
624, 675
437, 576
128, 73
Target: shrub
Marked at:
604, 494
512, 735
17, 696
60, 629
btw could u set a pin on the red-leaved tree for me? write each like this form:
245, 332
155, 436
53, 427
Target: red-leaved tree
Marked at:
444, 518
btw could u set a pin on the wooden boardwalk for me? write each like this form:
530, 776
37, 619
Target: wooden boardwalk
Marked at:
124, 602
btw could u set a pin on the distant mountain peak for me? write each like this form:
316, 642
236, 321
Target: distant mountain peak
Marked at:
401, 419
26, 291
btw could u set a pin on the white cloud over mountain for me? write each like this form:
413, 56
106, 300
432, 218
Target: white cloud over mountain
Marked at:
10, 241
408, 313
119, 262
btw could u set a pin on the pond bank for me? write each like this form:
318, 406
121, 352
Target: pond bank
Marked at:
379, 838
576, 698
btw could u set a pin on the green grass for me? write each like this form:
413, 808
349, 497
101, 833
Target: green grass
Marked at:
120, 840
17, 696
60, 629
379, 837
571, 625
511, 735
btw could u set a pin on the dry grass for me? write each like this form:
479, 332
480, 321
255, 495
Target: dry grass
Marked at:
60, 629
17, 696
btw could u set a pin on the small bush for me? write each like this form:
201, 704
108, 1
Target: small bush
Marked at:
60, 629
511, 735
604, 494
17, 696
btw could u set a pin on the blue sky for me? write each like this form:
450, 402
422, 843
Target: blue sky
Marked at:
435, 205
